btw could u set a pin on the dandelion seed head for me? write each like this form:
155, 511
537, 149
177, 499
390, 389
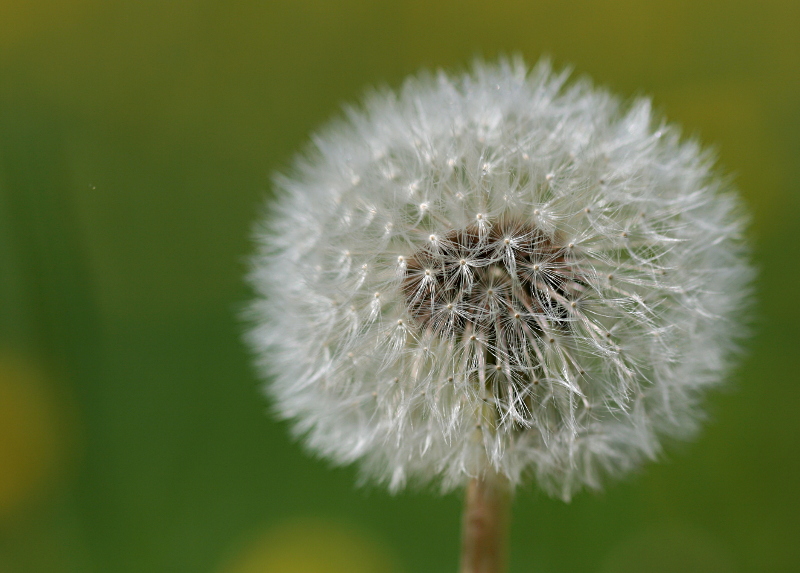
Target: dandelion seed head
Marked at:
479, 291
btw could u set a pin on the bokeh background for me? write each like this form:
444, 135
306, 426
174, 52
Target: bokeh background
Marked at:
137, 139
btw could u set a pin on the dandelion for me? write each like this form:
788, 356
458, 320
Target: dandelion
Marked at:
498, 277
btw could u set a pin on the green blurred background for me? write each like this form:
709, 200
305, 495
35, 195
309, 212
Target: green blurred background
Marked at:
137, 139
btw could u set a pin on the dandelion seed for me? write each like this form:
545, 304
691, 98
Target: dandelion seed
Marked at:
498, 274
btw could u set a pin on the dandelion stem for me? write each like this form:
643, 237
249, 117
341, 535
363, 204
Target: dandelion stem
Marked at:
484, 534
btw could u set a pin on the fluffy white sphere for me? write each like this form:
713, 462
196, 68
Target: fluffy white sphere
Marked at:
495, 270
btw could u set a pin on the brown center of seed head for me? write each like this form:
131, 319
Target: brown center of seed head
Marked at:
502, 284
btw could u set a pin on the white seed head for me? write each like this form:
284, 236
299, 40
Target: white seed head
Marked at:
496, 305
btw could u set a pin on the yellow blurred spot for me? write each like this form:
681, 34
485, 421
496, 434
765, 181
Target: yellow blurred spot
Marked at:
22, 20
31, 443
311, 546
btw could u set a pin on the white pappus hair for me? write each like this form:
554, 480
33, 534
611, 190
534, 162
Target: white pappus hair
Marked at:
498, 270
